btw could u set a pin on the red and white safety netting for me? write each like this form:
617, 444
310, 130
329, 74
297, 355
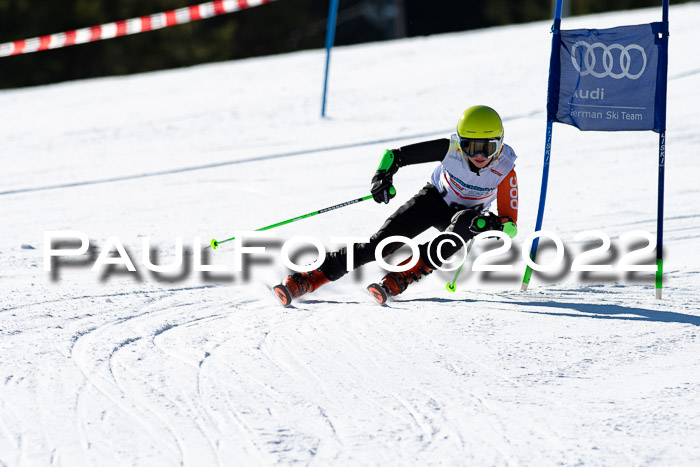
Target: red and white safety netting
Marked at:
126, 27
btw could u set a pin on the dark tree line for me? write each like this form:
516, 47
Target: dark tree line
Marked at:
257, 31
278, 27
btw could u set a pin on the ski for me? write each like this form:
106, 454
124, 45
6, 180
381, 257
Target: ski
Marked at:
282, 294
379, 293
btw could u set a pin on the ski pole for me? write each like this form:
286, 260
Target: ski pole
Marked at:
215, 243
452, 286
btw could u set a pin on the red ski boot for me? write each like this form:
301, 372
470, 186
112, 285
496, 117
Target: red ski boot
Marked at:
396, 282
299, 284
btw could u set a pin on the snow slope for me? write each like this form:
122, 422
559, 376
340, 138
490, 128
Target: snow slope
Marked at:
110, 367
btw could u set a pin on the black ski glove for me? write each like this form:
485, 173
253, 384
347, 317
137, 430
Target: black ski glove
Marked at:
485, 222
382, 189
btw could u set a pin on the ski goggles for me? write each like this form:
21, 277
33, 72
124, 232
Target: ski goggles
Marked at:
488, 147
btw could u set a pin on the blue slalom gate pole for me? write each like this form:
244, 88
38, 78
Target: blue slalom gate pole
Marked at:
551, 100
662, 82
540, 209
330, 38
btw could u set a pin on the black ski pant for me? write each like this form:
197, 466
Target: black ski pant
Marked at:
426, 209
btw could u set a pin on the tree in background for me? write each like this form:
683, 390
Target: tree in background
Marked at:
257, 31
500, 12
279, 27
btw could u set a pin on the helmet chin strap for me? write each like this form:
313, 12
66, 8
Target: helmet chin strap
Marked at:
472, 167
476, 169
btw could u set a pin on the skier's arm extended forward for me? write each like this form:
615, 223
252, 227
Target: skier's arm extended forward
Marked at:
428, 151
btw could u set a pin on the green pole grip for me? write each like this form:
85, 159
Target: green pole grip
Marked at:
387, 160
510, 229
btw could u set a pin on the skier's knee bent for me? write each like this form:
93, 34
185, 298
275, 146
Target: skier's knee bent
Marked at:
446, 244
335, 265
461, 221
431, 257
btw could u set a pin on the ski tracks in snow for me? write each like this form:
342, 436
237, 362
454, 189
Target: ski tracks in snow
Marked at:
142, 387
179, 377
379, 386
103, 404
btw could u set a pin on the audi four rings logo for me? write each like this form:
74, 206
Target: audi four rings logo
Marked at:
587, 67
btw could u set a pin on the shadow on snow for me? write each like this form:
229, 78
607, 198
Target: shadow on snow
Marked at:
601, 311
589, 310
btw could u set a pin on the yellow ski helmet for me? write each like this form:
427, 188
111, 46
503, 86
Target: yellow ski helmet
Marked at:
480, 130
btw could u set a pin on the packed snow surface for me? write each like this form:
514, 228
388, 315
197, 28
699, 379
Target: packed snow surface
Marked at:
110, 367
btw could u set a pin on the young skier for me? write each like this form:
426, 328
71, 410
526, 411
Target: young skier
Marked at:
476, 169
